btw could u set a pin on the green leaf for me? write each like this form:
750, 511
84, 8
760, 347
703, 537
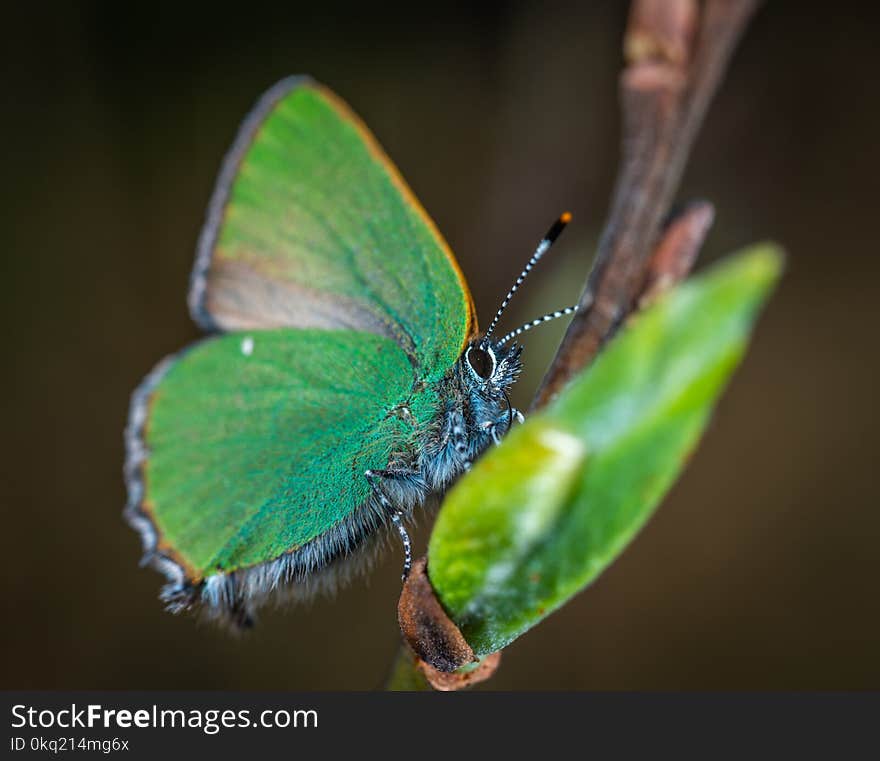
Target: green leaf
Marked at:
540, 517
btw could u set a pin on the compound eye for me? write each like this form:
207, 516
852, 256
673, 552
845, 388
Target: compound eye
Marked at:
481, 362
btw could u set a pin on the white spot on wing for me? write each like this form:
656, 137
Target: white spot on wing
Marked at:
247, 346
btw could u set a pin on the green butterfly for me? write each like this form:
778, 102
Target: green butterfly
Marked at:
344, 380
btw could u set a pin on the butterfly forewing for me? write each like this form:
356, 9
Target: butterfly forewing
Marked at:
312, 226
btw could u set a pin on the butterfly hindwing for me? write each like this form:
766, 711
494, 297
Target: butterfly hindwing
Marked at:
255, 445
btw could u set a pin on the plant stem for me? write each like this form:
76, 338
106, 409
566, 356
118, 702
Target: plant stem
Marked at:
665, 91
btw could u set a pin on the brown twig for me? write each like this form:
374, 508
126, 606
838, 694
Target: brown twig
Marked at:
665, 91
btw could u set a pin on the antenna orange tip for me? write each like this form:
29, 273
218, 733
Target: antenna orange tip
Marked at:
566, 217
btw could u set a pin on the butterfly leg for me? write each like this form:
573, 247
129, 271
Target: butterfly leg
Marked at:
493, 427
374, 478
458, 437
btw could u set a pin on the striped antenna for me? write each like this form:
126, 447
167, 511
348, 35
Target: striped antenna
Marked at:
534, 323
552, 234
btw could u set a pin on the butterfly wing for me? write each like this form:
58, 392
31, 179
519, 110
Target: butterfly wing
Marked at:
247, 448
311, 225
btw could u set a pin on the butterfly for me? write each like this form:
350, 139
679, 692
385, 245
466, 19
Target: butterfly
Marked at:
343, 379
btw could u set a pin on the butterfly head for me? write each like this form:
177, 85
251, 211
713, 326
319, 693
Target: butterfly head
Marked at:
491, 367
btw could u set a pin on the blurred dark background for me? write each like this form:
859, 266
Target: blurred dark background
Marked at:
760, 569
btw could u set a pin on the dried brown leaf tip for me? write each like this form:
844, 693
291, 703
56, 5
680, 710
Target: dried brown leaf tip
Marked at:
428, 631
439, 648
444, 682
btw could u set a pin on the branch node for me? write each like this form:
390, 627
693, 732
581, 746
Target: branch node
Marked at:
661, 29
675, 254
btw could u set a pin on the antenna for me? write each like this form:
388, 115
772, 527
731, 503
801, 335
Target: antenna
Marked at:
534, 323
552, 234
